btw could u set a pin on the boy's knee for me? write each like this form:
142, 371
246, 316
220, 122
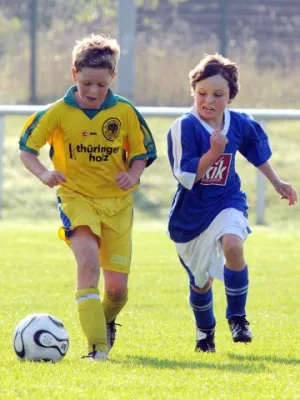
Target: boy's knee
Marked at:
204, 289
117, 293
232, 246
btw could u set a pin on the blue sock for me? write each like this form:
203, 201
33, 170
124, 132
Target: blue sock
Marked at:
236, 289
202, 306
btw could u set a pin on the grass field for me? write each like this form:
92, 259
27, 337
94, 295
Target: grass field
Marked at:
153, 357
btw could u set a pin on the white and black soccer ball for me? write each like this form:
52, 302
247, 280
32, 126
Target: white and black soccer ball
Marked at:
40, 337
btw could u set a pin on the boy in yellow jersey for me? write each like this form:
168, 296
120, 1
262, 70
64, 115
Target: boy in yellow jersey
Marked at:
99, 146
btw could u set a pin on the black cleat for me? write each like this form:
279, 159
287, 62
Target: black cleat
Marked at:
111, 333
205, 340
240, 329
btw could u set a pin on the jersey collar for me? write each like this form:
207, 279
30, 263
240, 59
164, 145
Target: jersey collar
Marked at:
194, 112
69, 99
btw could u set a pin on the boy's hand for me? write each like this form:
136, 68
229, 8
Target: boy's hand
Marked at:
52, 178
218, 143
125, 180
286, 190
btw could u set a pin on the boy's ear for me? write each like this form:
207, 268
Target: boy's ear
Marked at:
74, 74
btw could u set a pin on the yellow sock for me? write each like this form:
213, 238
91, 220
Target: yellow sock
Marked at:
92, 318
112, 308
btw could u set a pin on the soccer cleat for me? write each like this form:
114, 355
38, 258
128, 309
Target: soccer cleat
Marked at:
240, 329
111, 333
205, 340
97, 355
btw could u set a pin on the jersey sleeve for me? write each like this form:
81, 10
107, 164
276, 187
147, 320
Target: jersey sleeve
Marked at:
255, 145
37, 131
182, 153
140, 144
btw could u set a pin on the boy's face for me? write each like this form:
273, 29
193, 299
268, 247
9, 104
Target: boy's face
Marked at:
92, 85
211, 98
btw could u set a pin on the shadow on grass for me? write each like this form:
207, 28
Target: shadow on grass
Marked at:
174, 364
274, 359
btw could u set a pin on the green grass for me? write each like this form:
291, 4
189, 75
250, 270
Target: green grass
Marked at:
26, 197
153, 357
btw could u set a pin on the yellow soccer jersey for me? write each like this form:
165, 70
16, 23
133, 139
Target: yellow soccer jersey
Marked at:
91, 146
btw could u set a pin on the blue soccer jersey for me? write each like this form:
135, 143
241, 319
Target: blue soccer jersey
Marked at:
196, 204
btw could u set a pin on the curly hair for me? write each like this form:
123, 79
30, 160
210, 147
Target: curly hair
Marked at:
96, 51
212, 65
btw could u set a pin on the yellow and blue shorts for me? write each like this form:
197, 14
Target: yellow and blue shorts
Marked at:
110, 219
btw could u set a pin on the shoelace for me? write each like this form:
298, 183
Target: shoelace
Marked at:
113, 329
239, 323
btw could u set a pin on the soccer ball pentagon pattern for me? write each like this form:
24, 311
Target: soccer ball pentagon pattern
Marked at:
40, 337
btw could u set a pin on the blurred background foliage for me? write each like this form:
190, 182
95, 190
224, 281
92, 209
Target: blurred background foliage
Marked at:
262, 36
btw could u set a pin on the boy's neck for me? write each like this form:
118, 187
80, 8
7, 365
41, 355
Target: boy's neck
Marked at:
216, 124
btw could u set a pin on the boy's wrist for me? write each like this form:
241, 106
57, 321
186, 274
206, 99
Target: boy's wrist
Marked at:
134, 175
211, 156
275, 182
40, 174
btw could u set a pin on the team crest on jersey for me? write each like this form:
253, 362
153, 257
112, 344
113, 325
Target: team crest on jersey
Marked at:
111, 128
217, 174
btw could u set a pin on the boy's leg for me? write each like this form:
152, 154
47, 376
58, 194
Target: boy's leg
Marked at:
201, 302
91, 315
196, 257
115, 259
115, 294
236, 287
115, 297
81, 230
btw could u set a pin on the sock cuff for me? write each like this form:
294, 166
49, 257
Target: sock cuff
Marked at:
197, 298
87, 293
227, 270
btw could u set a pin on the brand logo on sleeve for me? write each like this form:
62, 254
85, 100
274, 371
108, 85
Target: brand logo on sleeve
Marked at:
217, 174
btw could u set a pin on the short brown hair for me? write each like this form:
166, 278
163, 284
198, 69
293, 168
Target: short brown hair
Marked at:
96, 51
216, 64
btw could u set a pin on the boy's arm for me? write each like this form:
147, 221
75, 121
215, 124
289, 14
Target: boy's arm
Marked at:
217, 146
49, 178
284, 188
137, 168
140, 143
128, 179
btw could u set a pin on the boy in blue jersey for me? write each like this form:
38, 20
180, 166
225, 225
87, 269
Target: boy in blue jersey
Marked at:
99, 146
208, 219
